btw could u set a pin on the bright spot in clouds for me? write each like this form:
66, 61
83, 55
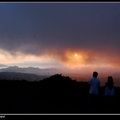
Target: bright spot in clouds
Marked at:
76, 55
74, 59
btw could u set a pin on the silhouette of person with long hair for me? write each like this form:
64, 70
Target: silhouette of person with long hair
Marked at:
109, 94
94, 84
109, 88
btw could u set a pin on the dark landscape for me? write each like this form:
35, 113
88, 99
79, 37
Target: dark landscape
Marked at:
49, 52
56, 94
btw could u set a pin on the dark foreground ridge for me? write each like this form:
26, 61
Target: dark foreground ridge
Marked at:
56, 94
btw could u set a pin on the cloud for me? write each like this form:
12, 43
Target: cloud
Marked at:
59, 31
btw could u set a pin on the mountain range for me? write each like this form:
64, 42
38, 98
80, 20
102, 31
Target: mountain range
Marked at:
29, 73
1, 65
30, 70
20, 76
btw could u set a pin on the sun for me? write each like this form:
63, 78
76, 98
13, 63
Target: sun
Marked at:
74, 59
76, 55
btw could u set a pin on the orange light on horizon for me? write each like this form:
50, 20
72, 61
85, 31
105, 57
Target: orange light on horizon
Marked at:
74, 59
71, 59
76, 55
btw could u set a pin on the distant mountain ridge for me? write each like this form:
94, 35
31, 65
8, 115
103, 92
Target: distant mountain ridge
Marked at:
2, 65
20, 76
30, 70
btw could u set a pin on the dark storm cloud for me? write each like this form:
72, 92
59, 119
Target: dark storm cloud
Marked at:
38, 27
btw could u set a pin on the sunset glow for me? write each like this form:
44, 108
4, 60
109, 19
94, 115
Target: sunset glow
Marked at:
66, 36
69, 58
74, 59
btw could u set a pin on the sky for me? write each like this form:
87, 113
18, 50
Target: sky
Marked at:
62, 35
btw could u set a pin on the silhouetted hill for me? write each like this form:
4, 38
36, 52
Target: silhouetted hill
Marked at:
56, 94
20, 76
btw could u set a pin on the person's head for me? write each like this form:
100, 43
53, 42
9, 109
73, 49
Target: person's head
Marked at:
110, 82
110, 79
95, 74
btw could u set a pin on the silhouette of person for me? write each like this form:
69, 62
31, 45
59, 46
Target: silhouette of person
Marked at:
109, 89
94, 85
109, 94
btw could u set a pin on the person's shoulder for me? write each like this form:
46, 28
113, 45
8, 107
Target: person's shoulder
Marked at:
91, 79
98, 79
